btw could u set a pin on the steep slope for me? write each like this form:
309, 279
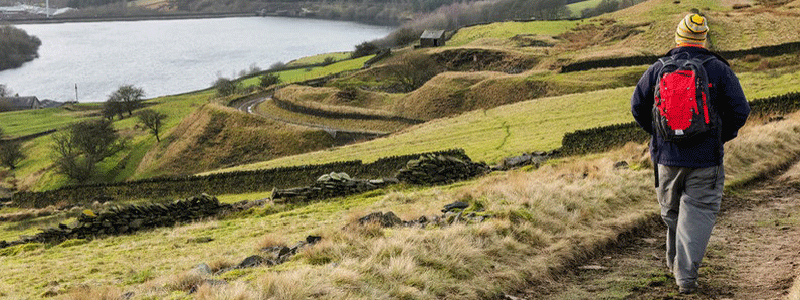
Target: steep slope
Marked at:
216, 136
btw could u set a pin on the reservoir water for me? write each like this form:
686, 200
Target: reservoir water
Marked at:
168, 57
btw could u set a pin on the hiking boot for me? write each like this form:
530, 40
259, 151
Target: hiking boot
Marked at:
687, 289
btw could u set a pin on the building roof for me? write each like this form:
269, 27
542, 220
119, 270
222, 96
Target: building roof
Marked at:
21, 102
432, 34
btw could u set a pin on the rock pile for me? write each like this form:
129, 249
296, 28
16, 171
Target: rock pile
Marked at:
440, 169
329, 186
452, 213
122, 220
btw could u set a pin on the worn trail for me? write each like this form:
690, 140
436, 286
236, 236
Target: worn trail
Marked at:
754, 253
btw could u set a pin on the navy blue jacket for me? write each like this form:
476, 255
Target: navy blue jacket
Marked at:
727, 98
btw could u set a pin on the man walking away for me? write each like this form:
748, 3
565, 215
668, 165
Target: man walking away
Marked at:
691, 103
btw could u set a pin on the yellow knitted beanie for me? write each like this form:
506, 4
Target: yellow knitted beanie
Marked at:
692, 31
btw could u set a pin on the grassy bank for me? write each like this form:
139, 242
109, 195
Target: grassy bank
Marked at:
541, 220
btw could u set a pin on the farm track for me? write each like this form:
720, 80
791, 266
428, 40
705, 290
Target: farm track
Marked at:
754, 253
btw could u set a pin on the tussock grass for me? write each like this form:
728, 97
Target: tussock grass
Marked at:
780, 141
86, 292
794, 292
541, 221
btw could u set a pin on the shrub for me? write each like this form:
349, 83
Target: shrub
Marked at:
364, 49
277, 66
225, 87
270, 79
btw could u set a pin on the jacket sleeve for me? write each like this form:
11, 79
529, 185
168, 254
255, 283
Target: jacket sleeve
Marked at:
642, 99
734, 106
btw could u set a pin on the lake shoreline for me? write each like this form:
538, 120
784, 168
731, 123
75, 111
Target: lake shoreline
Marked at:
128, 18
170, 57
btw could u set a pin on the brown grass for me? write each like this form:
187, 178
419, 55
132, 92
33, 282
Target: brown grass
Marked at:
794, 292
216, 136
85, 292
745, 155
326, 99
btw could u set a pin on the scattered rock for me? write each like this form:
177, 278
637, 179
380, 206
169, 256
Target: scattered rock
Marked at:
311, 239
202, 270
388, 219
251, 261
455, 205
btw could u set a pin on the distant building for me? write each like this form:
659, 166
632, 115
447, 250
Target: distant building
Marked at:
432, 38
19, 103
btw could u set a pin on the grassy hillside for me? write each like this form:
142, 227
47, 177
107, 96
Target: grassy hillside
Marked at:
541, 221
491, 134
215, 136
35, 172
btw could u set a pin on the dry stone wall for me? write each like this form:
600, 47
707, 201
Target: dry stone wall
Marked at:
440, 169
215, 184
128, 219
330, 186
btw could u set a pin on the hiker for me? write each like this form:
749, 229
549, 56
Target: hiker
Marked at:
687, 138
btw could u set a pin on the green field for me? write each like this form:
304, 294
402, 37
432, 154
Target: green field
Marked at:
24, 122
507, 30
303, 74
316, 59
576, 8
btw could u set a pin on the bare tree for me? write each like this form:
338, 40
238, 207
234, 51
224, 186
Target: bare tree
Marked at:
82, 145
128, 97
413, 70
152, 120
11, 153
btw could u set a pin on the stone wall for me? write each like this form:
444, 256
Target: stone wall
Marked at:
128, 219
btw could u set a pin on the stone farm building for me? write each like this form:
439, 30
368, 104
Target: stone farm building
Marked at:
432, 38
19, 103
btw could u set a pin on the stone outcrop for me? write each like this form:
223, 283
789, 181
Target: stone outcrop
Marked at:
440, 169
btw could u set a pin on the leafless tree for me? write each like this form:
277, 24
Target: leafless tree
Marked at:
81, 146
11, 153
152, 120
128, 97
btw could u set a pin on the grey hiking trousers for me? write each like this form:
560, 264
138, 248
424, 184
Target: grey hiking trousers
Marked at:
690, 200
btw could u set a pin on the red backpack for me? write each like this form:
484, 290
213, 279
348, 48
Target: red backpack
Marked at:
682, 107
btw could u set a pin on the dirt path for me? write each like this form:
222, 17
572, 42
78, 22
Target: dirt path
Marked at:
754, 253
